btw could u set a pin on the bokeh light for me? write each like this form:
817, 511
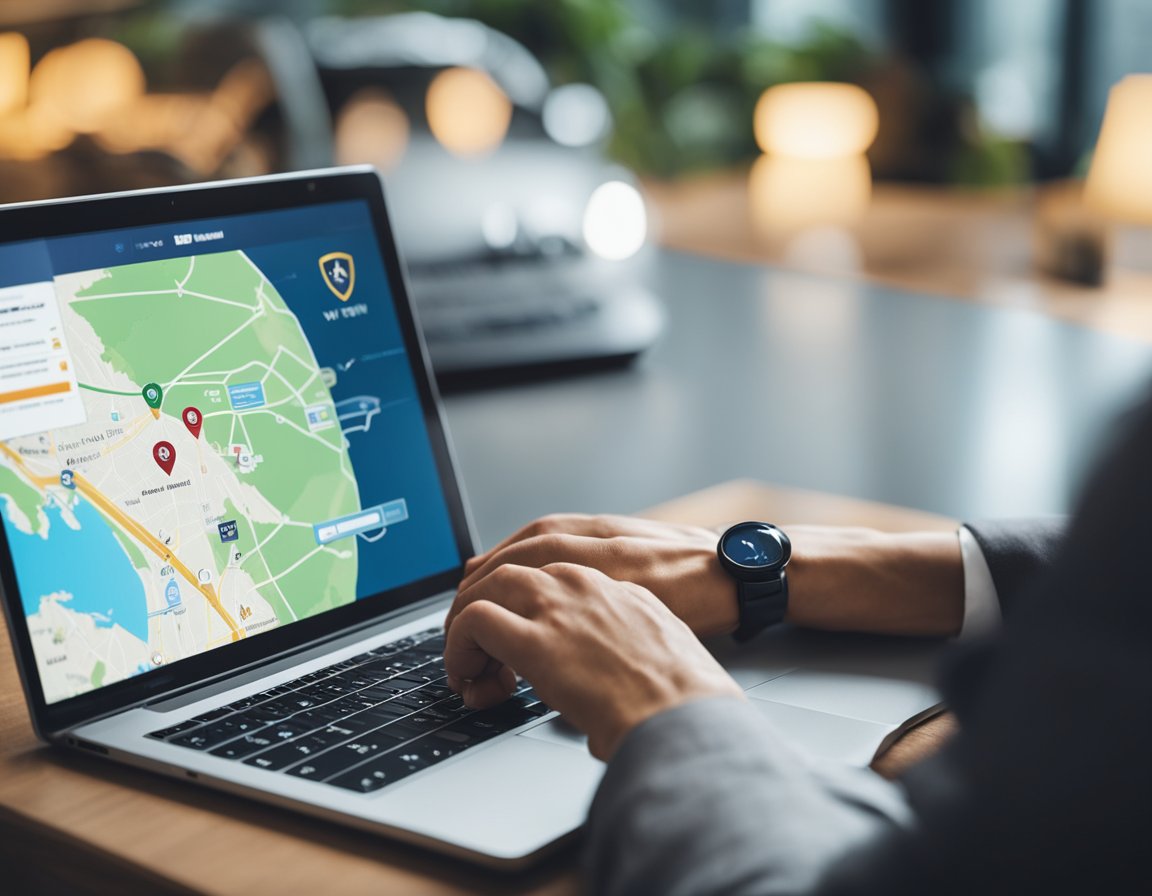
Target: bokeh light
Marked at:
467, 111
14, 67
791, 194
576, 115
815, 120
84, 84
615, 221
371, 129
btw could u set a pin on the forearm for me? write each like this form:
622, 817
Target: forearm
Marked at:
869, 581
706, 798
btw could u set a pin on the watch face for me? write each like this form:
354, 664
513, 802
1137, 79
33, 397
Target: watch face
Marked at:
754, 545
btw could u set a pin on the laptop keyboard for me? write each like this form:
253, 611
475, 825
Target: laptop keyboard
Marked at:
360, 724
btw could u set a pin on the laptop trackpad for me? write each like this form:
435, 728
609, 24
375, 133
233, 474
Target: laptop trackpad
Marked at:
507, 799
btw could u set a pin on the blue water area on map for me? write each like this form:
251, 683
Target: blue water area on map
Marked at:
88, 562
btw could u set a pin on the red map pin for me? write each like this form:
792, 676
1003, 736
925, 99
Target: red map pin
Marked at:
193, 419
165, 456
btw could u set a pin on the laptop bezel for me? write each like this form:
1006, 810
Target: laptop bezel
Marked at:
56, 218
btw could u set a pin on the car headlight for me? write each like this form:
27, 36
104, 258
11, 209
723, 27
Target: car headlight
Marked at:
615, 221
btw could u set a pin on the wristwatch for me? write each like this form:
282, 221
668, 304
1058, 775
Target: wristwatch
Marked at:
755, 555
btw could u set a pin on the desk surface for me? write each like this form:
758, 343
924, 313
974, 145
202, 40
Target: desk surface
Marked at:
815, 382
976, 245
87, 825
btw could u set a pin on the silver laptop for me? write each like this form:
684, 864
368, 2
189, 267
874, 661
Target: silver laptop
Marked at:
232, 526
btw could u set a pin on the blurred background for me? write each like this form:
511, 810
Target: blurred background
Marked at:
970, 92
602, 126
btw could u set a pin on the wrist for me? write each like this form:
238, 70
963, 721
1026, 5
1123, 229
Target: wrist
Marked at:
869, 581
710, 609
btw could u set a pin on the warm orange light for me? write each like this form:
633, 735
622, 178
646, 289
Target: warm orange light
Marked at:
201, 130
371, 129
30, 134
815, 120
14, 65
789, 194
467, 111
84, 84
1120, 179
152, 121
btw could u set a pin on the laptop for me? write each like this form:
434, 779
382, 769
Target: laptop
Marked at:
232, 525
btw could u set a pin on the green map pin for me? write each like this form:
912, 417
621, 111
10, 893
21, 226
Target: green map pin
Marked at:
154, 395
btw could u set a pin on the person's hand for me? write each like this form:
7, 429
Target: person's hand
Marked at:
606, 654
676, 563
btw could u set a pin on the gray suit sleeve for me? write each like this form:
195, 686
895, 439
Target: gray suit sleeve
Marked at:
1017, 551
706, 798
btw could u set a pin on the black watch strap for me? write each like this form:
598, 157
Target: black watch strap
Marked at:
761, 604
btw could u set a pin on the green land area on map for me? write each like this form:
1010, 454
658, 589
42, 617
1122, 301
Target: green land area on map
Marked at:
197, 327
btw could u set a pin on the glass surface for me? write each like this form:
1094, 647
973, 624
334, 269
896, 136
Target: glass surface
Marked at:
753, 545
217, 433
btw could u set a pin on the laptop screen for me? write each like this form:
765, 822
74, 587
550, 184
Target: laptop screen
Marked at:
209, 429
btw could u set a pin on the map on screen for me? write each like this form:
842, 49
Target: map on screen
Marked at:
212, 491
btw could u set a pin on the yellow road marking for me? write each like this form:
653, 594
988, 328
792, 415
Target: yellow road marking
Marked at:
138, 531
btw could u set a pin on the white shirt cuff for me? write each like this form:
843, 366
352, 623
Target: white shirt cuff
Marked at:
981, 606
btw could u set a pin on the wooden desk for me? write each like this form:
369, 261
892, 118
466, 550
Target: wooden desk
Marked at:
79, 825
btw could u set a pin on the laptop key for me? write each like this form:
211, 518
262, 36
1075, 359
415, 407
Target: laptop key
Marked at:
384, 713
372, 776
398, 732
396, 765
380, 692
489, 723
286, 730
356, 679
413, 700
195, 740
212, 715
318, 717
356, 724
211, 735
310, 678
242, 704
413, 679
165, 733
242, 746
442, 714
277, 691
295, 751
353, 703
339, 759
462, 739
424, 752
421, 722
279, 708
277, 758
